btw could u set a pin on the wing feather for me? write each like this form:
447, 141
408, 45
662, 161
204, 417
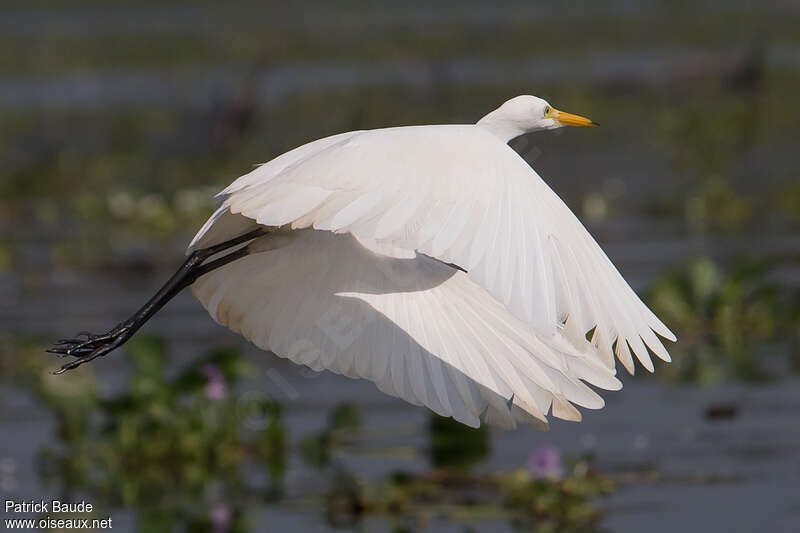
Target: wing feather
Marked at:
435, 338
460, 195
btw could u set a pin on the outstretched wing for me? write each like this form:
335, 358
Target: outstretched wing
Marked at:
460, 195
420, 329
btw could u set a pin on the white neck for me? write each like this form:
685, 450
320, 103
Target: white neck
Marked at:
501, 126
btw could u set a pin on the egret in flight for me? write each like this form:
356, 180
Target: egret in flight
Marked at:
431, 260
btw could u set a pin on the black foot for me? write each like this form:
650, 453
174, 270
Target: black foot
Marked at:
89, 347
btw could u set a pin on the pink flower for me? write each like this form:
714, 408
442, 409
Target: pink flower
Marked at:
220, 517
544, 462
215, 387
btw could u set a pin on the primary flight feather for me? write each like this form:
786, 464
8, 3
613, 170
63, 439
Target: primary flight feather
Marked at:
432, 260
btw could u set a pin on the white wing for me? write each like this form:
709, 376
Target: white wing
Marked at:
420, 329
458, 194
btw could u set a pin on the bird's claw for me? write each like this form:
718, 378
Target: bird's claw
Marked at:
88, 348
77, 340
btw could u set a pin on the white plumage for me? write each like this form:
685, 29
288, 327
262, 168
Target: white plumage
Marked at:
360, 275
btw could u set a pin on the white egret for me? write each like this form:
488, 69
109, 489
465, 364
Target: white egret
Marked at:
432, 260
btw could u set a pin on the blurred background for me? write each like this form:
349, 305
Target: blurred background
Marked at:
120, 120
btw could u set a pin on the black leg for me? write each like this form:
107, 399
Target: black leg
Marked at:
93, 346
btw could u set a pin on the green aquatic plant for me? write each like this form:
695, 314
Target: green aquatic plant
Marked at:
785, 198
344, 424
525, 498
456, 446
555, 499
715, 205
170, 447
722, 320
21, 363
547, 495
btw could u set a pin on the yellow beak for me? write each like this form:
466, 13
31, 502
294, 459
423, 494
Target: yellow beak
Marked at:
568, 119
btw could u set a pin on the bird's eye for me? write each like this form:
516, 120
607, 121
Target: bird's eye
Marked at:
547, 110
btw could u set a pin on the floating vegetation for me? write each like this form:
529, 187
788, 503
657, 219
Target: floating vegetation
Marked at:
456, 446
548, 494
722, 320
557, 500
786, 198
556, 503
715, 206
172, 448
344, 425
709, 142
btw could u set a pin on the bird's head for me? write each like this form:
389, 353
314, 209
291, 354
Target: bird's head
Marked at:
524, 114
